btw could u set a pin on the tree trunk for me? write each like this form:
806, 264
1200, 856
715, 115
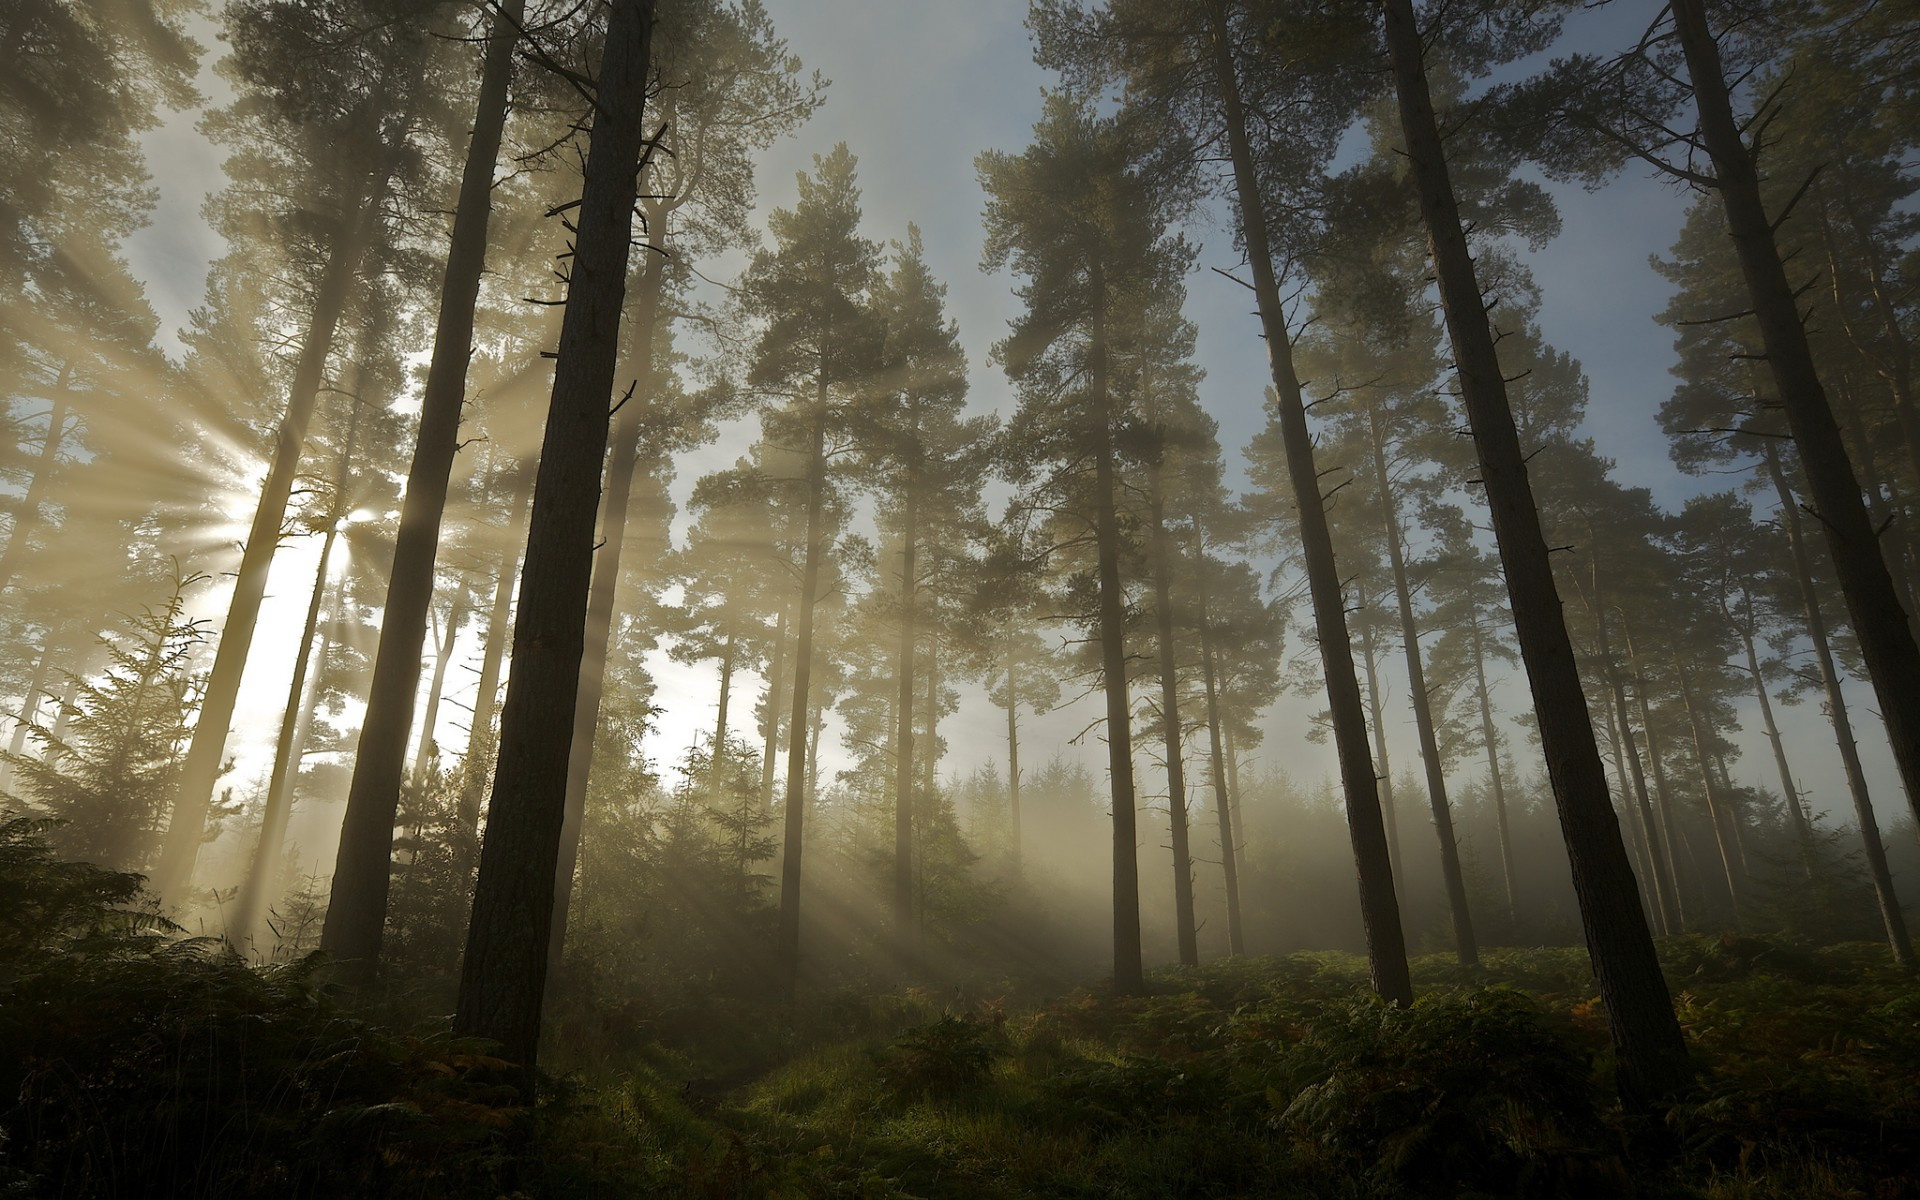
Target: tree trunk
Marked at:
206, 752
930, 760
428, 749
1718, 810
1379, 909
1170, 730
1673, 914
1652, 1053
481, 742
1233, 795
356, 915
1376, 720
1465, 945
622, 466
503, 974
717, 757
30, 704
251, 903
1236, 938
1013, 763
1128, 971
797, 780
1494, 783
1892, 919
27, 515
1640, 843
771, 748
903, 706
1796, 811
1879, 620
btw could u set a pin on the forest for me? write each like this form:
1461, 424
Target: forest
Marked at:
1051, 598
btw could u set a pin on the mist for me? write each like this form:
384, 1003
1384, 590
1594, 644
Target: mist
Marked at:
693, 569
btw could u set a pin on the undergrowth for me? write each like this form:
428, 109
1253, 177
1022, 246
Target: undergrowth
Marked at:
134, 1062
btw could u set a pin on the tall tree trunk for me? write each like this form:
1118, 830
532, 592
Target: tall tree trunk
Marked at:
1379, 909
797, 784
481, 741
903, 706
296, 719
1892, 919
1171, 732
1494, 782
1129, 974
1796, 811
30, 703
1230, 868
1645, 850
359, 214
1652, 1053
615, 501
1718, 810
1376, 720
27, 514
1673, 915
717, 757
443, 654
1013, 762
356, 914
1233, 794
264, 871
771, 748
503, 974
930, 760
1465, 945
1879, 620
1128, 971
1681, 859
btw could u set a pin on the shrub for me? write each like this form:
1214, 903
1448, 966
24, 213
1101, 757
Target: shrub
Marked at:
950, 1055
1464, 1091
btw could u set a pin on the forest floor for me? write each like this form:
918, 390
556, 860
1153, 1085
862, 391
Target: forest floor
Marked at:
134, 1063
1283, 1077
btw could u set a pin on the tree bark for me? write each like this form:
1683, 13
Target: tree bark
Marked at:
1376, 720
1236, 937
201, 771
30, 703
1171, 732
1796, 811
427, 749
1465, 945
1718, 809
503, 975
1873, 602
1013, 762
251, 903
1379, 909
356, 914
1892, 918
1652, 1053
717, 757
1494, 783
1672, 908
797, 756
903, 706
1128, 971
481, 742
770, 750
27, 515
622, 467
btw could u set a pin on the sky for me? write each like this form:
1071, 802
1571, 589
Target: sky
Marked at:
917, 89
